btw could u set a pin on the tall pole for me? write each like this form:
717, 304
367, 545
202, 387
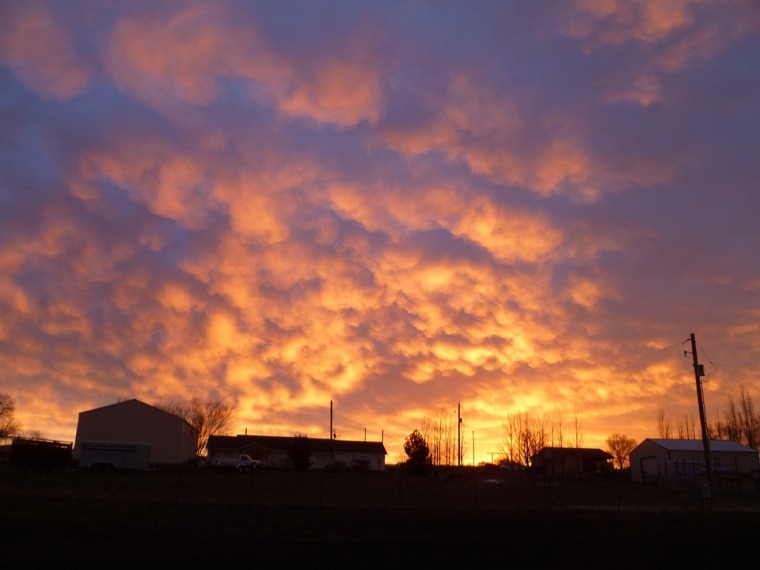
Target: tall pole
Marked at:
459, 434
698, 373
473, 448
331, 418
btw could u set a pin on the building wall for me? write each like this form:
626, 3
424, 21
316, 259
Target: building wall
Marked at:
647, 454
559, 463
652, 460
173, 441
370, 461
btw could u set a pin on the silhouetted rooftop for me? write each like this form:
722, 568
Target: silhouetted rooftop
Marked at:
283, 443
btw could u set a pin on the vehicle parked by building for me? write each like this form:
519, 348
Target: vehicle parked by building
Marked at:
241, 463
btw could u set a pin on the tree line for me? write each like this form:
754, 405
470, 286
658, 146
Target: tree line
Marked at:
739, 421
526, 435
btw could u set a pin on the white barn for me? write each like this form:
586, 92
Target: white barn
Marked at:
656, 458
173, 441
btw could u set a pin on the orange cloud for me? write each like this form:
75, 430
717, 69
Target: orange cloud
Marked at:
337, 92
648, 20
41, 51
189, 53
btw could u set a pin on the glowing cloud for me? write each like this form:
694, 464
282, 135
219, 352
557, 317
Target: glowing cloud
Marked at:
396, 207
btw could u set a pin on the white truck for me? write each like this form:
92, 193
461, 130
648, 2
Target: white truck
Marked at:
114, 455
241, 463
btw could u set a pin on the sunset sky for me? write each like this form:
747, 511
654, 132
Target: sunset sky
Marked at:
522, 206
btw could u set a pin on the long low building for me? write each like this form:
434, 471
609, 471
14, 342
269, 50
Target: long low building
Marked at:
273, 451
654, 459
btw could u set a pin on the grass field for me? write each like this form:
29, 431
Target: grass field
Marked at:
274, 519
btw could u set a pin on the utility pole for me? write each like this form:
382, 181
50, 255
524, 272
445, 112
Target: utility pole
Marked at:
459, 434
331, 421
699, 371
473, 448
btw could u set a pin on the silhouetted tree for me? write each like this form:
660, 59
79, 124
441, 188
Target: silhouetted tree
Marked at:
687, 427
664, 428
440, 433
620, 447
209, 417
750, 421
418, 454
9, 427
740, 422
300, 452
733, 422
578, 435
523, 438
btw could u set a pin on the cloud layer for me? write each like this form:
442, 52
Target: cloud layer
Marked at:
397, 206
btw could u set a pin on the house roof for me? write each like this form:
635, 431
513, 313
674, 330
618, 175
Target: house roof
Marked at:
280, 443
718, 445
579, 452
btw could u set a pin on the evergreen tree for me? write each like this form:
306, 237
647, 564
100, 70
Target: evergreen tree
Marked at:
418, 453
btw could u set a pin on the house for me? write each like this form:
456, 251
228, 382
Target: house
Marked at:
173, 441
571, 461
656, 459
325, 453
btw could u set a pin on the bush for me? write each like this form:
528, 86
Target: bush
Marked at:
300, 453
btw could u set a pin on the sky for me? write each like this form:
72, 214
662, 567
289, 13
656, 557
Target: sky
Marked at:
519, 207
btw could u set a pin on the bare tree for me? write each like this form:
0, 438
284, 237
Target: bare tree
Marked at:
33, 434
687, 427
523, 438
9, 427
557, 436
578, 439
436, 431
750, 421
209, 417
733, 421
620, 446
510, 446
440, 433
664, 427
717, 430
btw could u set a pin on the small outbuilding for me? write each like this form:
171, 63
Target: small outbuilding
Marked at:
655, 460
172, 440
571, 462
272, 451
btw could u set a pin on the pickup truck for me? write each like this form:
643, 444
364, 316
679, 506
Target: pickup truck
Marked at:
241, 463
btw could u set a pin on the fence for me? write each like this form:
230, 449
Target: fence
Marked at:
390, 490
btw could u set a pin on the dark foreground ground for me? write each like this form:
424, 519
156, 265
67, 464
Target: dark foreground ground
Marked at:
286, 519
37, 533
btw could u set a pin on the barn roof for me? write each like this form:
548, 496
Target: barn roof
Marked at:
281, 443
135, 403
718, 445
